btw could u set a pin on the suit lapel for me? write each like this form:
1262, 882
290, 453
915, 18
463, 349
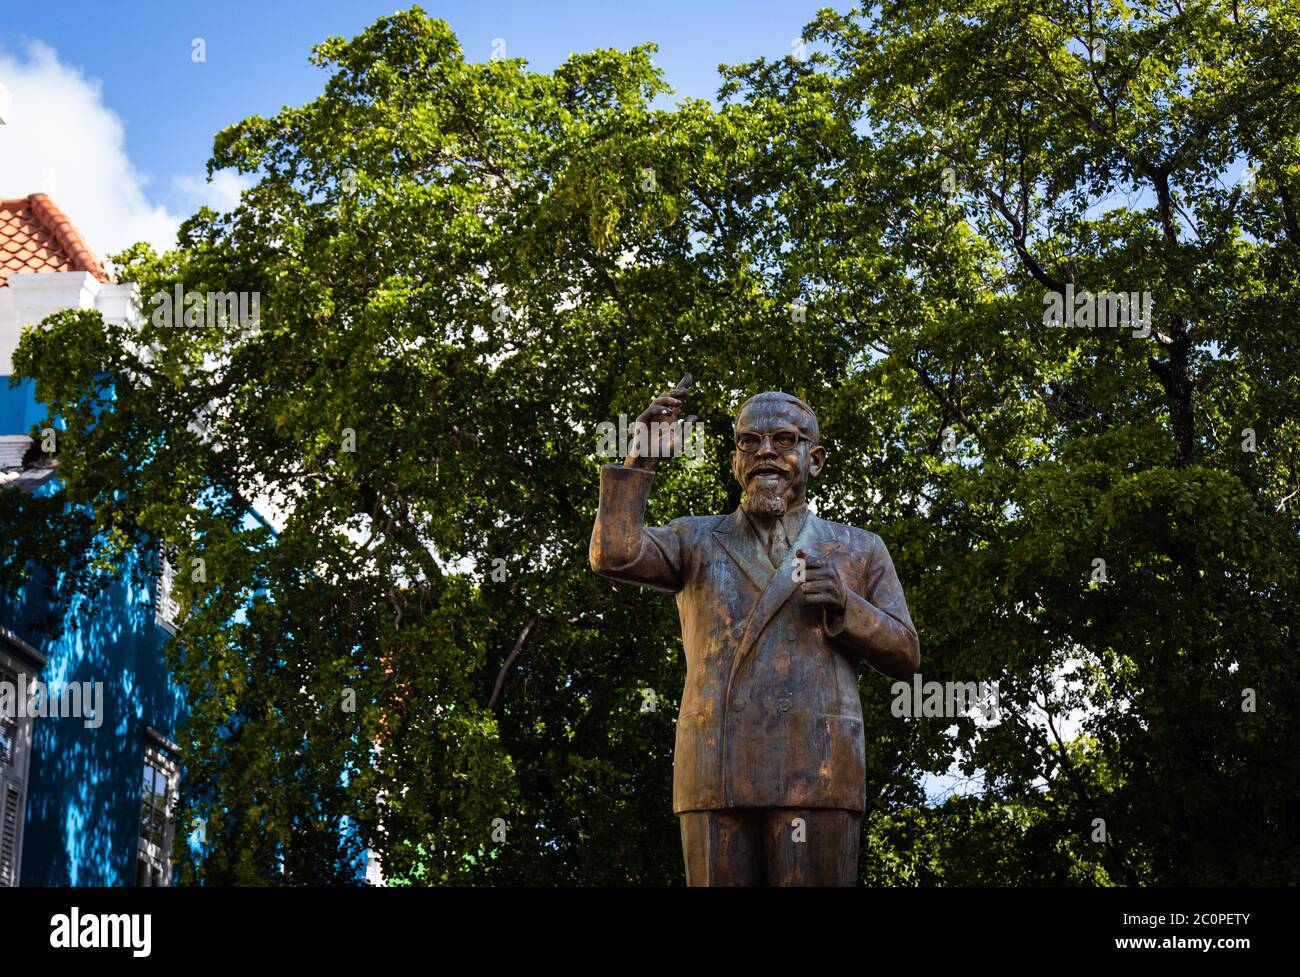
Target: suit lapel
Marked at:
739, 541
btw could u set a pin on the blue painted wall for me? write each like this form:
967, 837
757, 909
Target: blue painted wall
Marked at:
19, 411
84, 784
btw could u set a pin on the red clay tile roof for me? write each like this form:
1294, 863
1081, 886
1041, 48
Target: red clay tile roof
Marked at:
36, 236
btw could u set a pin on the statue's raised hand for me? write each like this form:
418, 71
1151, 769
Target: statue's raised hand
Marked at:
658, 433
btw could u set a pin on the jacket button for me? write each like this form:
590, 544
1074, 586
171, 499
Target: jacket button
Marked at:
790, 634
740, 705
783, 705
737, 631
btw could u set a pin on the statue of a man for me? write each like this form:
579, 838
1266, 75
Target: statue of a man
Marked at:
777, 607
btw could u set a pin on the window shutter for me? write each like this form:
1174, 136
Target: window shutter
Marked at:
15, 756
10, 811
166, 609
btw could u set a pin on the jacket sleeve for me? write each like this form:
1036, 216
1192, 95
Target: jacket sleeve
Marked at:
875, 624
622, 547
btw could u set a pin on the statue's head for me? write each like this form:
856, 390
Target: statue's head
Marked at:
778, 448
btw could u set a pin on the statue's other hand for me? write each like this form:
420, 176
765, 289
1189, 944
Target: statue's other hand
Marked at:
821, 585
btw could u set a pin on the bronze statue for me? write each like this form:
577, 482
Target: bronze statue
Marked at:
777, 607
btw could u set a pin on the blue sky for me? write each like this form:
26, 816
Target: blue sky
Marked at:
169, 107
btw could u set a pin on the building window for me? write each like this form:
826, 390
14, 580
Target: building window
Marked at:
166, 609
159, 795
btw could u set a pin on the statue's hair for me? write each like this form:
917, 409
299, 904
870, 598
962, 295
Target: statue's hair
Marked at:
810, 427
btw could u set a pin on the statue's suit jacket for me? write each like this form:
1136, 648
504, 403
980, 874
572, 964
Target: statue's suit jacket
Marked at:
770, 714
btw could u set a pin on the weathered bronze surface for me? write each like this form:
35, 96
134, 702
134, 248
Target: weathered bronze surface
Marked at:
777, 608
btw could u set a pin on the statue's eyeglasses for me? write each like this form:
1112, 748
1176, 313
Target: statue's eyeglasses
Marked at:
781, 440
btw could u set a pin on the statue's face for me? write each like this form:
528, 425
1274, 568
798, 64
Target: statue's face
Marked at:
774, 458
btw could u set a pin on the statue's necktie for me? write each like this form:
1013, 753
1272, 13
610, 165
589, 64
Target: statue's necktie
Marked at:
777, 543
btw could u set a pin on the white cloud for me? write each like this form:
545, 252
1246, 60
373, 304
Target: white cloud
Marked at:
61, 139
221, 194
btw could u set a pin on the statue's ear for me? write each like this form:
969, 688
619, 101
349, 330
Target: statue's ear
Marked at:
816, 460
